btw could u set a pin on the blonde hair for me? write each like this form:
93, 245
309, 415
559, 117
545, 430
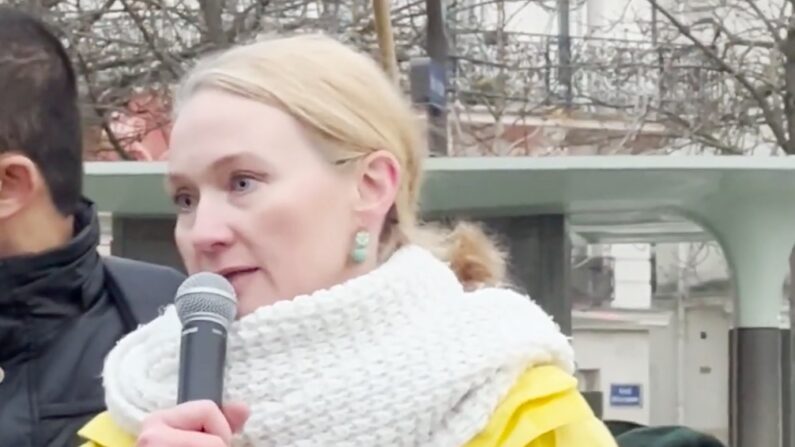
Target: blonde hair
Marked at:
345, 100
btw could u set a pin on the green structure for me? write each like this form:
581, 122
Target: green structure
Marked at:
746, 203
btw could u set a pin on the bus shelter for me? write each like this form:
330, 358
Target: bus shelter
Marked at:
747, 204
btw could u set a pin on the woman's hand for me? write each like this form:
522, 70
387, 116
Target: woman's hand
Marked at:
193, 424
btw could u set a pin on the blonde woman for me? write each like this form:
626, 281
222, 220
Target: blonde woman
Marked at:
295, 167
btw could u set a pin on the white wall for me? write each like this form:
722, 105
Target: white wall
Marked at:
632, 276
649, 357
532, 17
619, 19
706, 370
630, 19
662, 375
622, 357
616, 19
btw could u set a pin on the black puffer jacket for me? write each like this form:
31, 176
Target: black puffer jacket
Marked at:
58, 320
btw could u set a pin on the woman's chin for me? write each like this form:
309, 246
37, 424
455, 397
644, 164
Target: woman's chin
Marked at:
248, 303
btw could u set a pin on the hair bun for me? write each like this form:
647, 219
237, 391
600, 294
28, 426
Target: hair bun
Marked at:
475, 258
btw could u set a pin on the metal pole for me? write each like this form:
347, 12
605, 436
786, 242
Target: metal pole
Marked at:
540, 254
386, 38
437, 48
681, 293
564, 50
756, 387
788, 415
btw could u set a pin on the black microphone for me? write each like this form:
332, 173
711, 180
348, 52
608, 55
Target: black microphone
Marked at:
206, 305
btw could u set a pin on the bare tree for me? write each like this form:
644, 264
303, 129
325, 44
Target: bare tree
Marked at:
720, 80
126, 49
133, 51
736, 74
698, 75
499, 79
513, 94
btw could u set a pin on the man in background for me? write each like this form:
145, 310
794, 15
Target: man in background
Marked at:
62, 306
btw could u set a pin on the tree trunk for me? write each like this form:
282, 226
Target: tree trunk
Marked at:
788, 50
212, 11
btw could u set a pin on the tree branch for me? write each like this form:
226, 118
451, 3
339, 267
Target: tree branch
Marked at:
755, 8
770, 117
150, 41
212, 11
734, 40
114, 142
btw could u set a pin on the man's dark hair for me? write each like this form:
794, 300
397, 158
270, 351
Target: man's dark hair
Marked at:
39, 114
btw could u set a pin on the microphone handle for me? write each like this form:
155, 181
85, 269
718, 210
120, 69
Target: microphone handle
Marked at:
201, 362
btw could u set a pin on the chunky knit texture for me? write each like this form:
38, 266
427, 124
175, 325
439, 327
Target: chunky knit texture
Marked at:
401, 356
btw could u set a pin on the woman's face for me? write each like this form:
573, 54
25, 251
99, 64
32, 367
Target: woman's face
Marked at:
256, 201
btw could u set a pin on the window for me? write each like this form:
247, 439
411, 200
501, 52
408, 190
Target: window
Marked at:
589, 379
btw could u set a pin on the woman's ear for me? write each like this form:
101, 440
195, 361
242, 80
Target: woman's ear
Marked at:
378, 182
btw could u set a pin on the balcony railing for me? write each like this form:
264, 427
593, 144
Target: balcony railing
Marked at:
521, 71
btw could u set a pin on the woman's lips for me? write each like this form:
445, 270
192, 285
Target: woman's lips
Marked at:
239, 278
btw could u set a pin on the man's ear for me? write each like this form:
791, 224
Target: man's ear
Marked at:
20, 182
377, 186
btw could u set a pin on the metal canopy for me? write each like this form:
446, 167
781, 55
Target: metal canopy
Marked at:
746, 203
616, 198
607, 199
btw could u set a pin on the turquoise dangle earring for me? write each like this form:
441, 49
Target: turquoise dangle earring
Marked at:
360, 245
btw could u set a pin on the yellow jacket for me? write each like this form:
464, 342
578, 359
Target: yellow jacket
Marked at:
543, 409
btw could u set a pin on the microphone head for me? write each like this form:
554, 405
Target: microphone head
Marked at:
206, 296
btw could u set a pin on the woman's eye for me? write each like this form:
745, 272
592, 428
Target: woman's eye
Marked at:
184, 202
241, 183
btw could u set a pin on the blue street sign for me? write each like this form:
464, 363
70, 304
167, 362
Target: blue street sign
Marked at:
625, 395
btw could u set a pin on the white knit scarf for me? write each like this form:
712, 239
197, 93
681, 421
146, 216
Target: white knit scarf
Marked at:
401, 356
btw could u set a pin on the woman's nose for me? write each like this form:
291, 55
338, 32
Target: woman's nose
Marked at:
210, 230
